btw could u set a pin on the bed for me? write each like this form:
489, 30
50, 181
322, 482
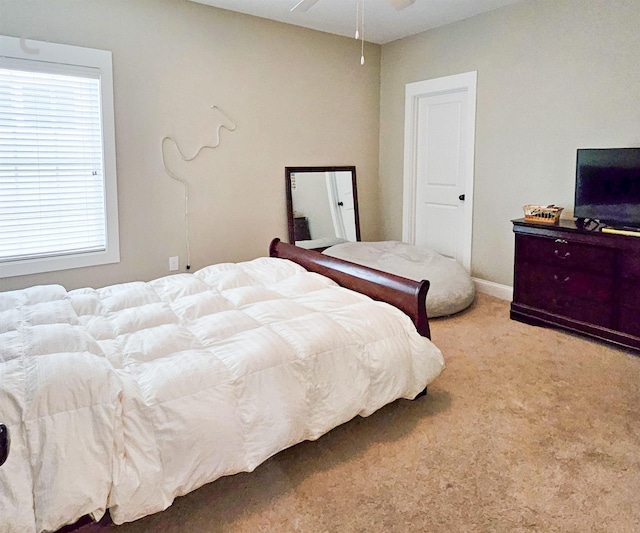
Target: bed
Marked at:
125, 397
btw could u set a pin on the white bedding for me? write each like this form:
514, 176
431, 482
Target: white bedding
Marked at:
322, 242
128, 396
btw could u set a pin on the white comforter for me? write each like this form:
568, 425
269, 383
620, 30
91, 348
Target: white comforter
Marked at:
128, 396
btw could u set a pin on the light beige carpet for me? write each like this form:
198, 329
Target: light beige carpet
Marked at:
528, 429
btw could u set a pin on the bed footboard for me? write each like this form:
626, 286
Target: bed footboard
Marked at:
407, 295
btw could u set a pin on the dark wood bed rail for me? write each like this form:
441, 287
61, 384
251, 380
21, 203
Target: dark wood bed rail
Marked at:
407, 295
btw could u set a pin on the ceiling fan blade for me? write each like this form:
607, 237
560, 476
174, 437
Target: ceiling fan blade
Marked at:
304, 5
400, 4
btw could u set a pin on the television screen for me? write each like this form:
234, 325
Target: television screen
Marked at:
608, 185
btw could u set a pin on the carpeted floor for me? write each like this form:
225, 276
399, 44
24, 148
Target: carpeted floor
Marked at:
528, 429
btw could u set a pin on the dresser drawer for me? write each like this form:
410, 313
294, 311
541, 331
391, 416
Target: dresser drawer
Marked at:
578, 295
630, 294
630, 264
588, 311
534, 280
565, 254
629, 321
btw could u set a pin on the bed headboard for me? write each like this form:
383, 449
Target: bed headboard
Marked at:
407, 295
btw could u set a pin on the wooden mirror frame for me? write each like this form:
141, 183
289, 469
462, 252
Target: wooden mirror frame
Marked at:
294, 170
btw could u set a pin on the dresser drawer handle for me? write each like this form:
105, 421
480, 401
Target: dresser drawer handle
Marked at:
561, 255
561, 279
561, 241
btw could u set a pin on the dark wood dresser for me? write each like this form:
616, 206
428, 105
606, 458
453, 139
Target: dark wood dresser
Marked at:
582, 281
301, 229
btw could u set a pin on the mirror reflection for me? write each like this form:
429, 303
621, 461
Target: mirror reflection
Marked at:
322, 206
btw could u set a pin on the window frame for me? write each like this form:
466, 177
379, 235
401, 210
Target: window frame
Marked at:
68, 57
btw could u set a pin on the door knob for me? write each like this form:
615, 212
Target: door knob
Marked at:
341, 204
461, 197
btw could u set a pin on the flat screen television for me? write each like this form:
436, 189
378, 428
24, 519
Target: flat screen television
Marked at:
608, 185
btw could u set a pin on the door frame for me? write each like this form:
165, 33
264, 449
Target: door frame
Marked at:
413, 93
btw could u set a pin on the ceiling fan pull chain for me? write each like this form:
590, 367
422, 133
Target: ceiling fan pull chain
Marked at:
362, 31
357, 19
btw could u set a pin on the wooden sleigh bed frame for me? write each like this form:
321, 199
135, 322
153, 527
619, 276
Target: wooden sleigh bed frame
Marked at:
407, 295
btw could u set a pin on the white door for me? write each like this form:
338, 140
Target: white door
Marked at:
439, 154
346, 205
342, 204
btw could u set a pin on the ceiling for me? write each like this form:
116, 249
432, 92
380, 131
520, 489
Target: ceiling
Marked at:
383, 23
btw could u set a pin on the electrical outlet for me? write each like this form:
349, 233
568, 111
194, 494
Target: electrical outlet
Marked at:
174, 263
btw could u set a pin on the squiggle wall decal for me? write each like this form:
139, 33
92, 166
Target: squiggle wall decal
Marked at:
223, 121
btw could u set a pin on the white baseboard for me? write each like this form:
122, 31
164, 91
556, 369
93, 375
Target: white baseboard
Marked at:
504, 292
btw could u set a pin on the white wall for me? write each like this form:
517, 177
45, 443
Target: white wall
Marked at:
311, 200
299, 98
553, 76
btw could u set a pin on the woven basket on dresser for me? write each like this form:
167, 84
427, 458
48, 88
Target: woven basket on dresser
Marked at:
542, 214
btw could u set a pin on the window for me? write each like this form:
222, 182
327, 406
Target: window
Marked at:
58, 198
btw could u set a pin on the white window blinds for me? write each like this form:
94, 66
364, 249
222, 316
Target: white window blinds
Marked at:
52, 190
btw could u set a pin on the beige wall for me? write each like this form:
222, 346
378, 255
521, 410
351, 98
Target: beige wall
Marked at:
310, 199
553, 76
299, 97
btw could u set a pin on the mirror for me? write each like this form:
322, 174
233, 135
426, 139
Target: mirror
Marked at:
322, 206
